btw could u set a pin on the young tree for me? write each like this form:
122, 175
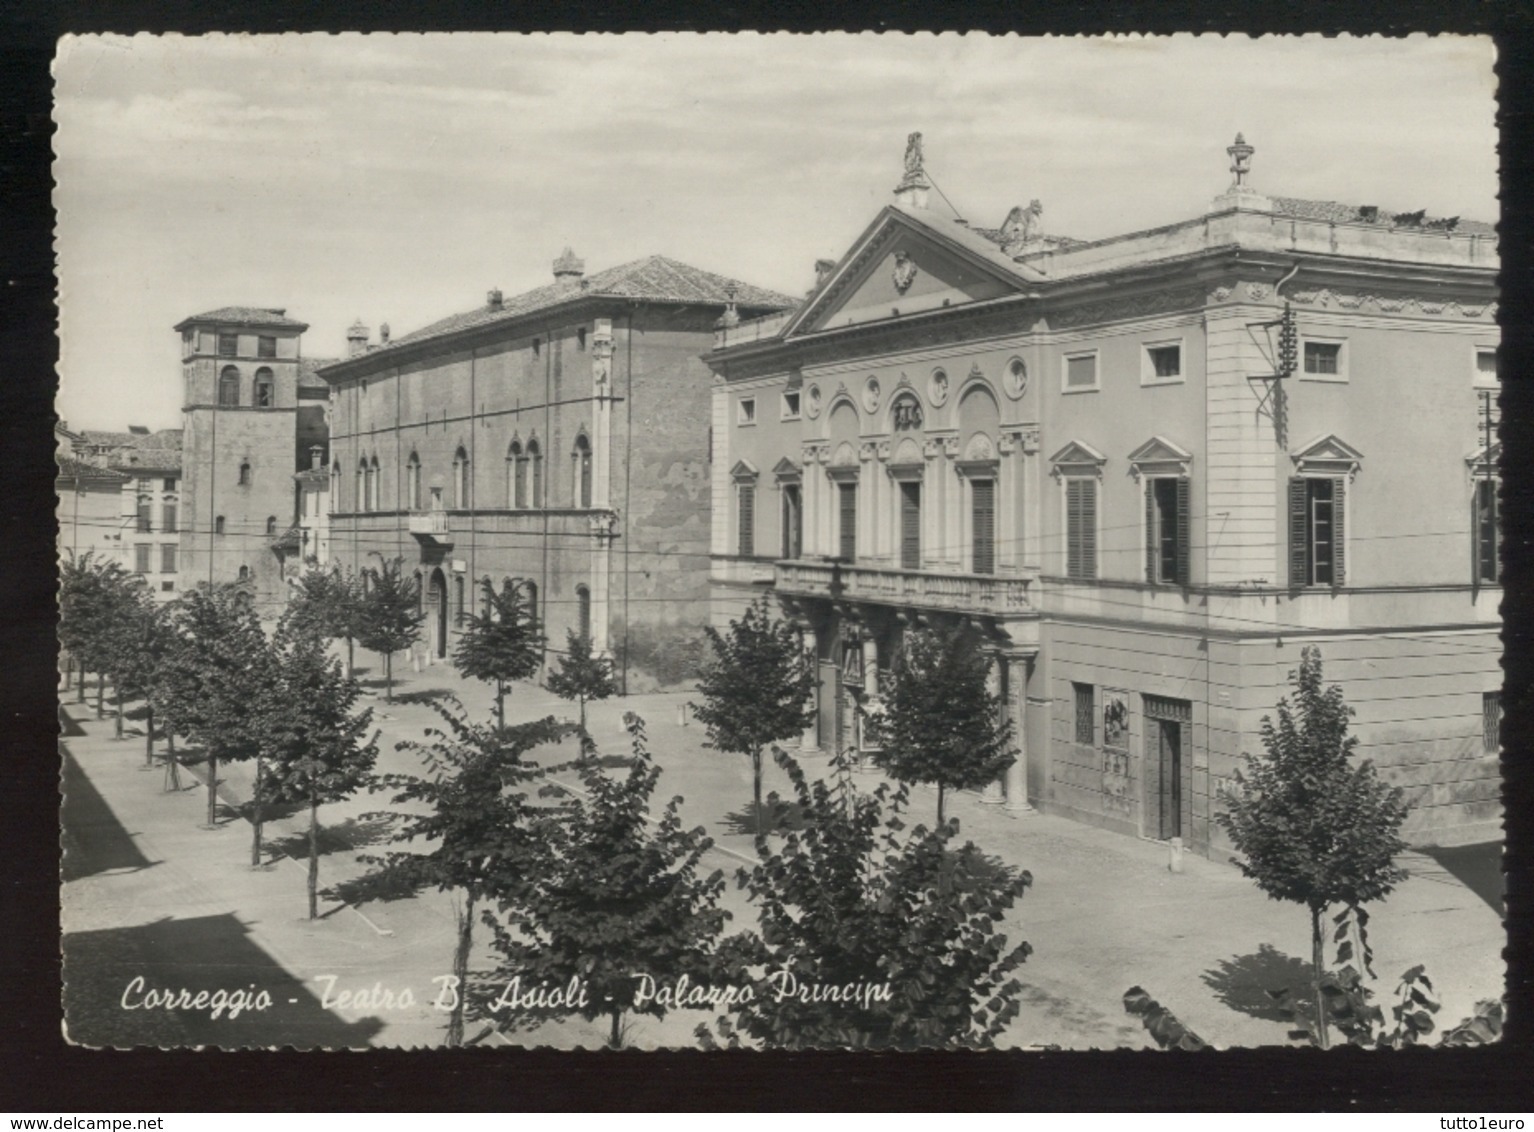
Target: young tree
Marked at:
124, 615
619, 907
91, 591
502, 644
581, 676
477, 815
873, 935
220, 660
940, 724
756, 689
328, 604
139, 652
1312, 825
315, 741
391, 616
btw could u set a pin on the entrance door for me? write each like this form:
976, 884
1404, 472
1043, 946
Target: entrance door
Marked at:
438, 613
1169, 776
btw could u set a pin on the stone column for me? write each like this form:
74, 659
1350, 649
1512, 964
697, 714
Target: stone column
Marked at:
1016, 781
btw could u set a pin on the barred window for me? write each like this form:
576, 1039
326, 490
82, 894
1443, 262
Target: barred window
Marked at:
1086, 717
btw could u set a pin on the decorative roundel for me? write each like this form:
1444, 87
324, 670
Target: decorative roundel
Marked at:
812, 402
1016, 378
871, 394
937, 388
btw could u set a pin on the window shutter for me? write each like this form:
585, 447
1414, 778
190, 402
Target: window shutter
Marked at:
983, 516
1184, 532
848, 534
910, 526
1088, 528
1299, 551
747, 495
1152, 533
1339, 534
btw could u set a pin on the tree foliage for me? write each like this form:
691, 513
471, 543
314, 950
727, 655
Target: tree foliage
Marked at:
93, 593
756, 689
618, 908
896, 922
327, 604
581, 676
139, 652
1314, 826
940, 723
390, 616
502, 643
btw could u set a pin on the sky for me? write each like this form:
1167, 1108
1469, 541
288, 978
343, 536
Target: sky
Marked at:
397, 178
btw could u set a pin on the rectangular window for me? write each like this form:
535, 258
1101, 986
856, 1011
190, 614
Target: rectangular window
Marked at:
167, 558
1316, 512
910, 526
168, 587
1487, 531
168, 514
1491, 722
1167, 531
228, 345
793, 521
1081, 529
1086, 715
1080, 371
847, 509
266, 347
745, 411
1163, 363
145, 523
1323, 359
141, 557
791, 406
982, 513
170, 483
1487, 369
745, 495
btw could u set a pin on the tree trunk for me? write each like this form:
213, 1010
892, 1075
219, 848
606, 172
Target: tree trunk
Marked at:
388, 677
172, 767
500, 704
616, 1041
1316, 964
582, 701
149, 736
80, 687
212, 789
69, 673
117, 694
756, 788
461, 971
101, 691
350, 659
255, 814
314, 855
940, 797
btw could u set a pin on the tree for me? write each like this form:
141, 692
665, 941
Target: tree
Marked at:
139, 653
90, 592
390, 617
477, 817
328, 604
504, 643
873, 935
124, 613
618, 907
315, 741
219, 664
756, 689
1311, 825
940, 724
581, 676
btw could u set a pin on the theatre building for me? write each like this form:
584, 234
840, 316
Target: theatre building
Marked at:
1143, 472
560, 437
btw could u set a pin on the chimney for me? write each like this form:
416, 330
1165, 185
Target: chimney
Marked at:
356, 339
316, 457
495, 300
823, 269
569, 269
912, 190
383, 334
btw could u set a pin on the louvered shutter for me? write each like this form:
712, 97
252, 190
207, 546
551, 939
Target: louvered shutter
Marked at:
910, 526
1088, 528
848, 534
983, 516
1184, 533
1152, 533
1299, 549
747, 494
1339, 535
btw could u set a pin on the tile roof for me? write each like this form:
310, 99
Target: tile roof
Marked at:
70, 468
100, 438
247, 316
655, 278
149, 459
308, 377
1340, 213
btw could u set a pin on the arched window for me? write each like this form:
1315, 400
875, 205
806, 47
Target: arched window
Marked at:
582, 456
583, 612
413, 483
244, 573
362, 485
244, 473
218, 525
516, 475
375, 486
265, 389
229, 386
535, 458
271, 524
460, 479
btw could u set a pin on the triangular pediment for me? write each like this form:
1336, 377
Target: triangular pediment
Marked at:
909, 262
1078, 453
1328, 447
744, 470
785, 469
1159, 450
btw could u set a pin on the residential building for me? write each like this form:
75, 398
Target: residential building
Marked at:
151, 517
560, 436
89, 509
1143, 472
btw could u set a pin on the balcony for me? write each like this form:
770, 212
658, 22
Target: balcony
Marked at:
431, 527
995, 595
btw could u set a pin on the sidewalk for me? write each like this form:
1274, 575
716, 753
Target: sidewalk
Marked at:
1104, 912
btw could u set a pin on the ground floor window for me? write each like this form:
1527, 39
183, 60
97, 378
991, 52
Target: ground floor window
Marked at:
1491, 722
1086, 719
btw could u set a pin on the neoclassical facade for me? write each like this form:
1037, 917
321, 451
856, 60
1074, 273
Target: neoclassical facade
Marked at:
1142, 473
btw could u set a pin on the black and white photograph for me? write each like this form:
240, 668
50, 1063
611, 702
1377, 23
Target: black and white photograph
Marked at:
783, 542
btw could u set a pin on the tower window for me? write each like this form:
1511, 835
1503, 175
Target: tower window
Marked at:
266, 346
245, 473
580, 338
271, 525
582, 456
229, 386
218, 525
228, 345
265, 389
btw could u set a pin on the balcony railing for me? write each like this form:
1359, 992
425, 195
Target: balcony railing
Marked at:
887, 585
430, 525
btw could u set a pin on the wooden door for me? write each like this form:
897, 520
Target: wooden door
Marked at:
439, 613
1169, 778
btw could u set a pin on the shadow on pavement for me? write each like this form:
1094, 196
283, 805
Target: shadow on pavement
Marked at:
1243, 984
353, 833
778, 817
1477, 867
105, 1006
68, 728
423, 696
94, 840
